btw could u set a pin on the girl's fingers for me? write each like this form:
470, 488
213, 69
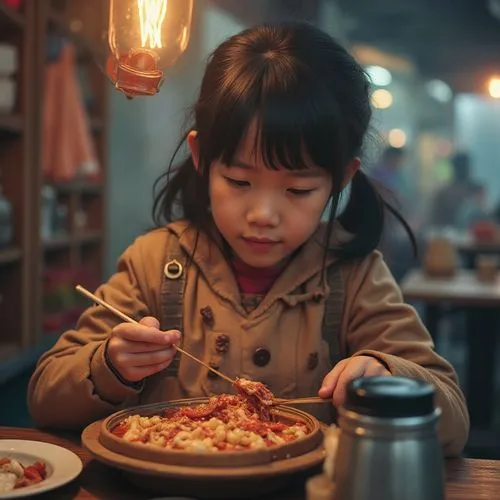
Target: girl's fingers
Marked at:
126, 346
151, 322
135, 374
376, 370
138, 351
330, 381
144, 359
142, 333
354, 369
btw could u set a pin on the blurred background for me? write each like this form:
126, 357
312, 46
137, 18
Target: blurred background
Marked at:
78, 161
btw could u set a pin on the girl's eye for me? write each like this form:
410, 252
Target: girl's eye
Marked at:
237, 183
301, 192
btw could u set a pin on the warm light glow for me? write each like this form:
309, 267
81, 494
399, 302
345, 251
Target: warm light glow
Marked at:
382, 99
397, 138
184, 38
146, 38
152, 13
494, 87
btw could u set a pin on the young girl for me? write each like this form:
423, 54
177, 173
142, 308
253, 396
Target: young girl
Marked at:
264, 289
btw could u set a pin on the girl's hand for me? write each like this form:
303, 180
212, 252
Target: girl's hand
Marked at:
335, 383
138, 351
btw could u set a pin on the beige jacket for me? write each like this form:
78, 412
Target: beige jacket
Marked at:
73, 385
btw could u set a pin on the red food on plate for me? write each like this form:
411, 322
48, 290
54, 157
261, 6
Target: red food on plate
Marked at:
226, 423
14, 475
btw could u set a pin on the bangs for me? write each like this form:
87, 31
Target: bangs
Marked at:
297, 118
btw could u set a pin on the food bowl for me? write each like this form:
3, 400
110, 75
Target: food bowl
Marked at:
240, 474
210, 459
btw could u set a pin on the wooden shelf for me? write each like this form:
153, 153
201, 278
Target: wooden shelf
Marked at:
9, 255
57, 243
12, 123
23, 267
7, 350
67, 241
9, 14
89, 237
78, 186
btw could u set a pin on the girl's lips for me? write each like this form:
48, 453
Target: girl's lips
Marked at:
260, 245
259, 240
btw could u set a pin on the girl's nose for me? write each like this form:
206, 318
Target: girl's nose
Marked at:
264, 212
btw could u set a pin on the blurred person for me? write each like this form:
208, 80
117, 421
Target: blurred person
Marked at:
451, 198
474, 209
388, 172
394, 245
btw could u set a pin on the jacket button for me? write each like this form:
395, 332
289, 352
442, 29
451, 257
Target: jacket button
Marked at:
208, 315
312, 361
222, 344
261, 356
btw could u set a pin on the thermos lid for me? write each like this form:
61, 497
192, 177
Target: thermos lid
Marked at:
390, 397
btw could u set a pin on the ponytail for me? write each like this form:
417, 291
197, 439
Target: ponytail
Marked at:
181, 193
364, 217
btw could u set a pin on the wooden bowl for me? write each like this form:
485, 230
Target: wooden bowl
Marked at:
210, 459
203, 482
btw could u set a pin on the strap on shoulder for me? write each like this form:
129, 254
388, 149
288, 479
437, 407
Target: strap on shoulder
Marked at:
334, 308
172, 292
332, 320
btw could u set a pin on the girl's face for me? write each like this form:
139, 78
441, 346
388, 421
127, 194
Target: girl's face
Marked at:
265, 214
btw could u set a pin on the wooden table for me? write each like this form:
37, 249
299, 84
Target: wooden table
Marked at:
468, 246
465, 479
481, 302
463, 289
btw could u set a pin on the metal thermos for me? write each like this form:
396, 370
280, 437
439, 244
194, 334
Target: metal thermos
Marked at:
388, 446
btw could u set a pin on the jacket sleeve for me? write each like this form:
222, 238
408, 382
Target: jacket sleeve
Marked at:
72, 384
378, 323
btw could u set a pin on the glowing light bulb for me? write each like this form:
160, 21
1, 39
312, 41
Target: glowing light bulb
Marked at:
146, 37
151, 16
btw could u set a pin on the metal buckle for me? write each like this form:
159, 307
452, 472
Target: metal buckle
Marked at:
173, 270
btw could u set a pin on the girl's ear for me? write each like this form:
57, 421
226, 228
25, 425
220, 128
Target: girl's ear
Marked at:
351, 170
194, 147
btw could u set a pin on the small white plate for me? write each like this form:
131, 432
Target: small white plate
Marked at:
62, 465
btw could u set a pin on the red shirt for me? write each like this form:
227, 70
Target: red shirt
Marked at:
255, 280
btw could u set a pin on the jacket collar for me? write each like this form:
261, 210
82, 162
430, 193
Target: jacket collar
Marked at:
217, 271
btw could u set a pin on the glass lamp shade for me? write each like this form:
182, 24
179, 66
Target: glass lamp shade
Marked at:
145, 38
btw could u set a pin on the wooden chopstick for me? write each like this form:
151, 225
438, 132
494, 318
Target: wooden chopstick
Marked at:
128, 319
301, 401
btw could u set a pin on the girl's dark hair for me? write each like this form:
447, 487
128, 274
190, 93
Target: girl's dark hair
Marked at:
308, 95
